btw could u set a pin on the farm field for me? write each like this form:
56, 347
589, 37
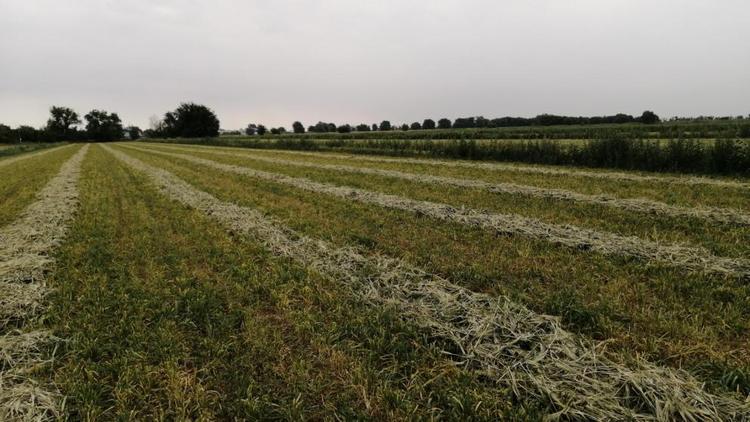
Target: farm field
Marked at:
160, 281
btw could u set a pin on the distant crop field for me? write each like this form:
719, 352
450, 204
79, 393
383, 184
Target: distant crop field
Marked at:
187, 282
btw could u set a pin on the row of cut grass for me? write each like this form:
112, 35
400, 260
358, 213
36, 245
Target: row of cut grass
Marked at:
673, 318
20, 181
720, 239
671, 193
171, 318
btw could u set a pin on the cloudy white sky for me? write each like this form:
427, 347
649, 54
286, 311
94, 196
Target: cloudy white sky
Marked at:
276, 61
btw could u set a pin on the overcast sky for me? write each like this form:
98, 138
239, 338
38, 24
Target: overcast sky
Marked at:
352, 61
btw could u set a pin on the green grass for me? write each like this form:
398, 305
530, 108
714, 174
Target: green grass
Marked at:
168, 317
7, 150
20, 181
689, 320
721, 239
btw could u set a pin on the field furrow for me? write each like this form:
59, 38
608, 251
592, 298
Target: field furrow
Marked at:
687, 257
25, 248
529, 351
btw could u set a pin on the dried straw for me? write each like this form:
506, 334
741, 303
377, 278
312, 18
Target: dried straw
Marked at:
640, 205
519, 168
25, 248
510, 344
690, 258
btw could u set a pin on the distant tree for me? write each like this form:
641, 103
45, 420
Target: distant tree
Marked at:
30, 134
251, 129
275, 131
261, 130
191, 120
428, 124
103, 126
649, 118
6, 134
374, 127
385, 125
404, 127
363, 127
61, 122
344, 128
298, 128
444, 123
464, 123
134, 132
416, 126
331, 127
481, 121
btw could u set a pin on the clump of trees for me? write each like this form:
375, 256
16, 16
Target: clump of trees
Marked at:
189, 120
103, 126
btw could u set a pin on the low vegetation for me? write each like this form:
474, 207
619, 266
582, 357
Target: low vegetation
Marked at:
196, 282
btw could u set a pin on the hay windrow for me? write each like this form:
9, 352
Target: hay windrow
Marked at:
510, 344
686, 257
646, 206
21, 157
520, 168
25, 248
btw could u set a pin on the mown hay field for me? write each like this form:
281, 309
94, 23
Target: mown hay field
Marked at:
154, 281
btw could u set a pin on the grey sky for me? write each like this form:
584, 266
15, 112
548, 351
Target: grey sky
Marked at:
276, 61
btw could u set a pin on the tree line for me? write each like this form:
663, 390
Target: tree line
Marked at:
188, 120
647, 117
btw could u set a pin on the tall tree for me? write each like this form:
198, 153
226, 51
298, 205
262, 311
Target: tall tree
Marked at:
444, 123
297, 127
61, 122
103, 126
416, 126
191, 120
262, 130
133, 132
649, 117
428, 124
385, 125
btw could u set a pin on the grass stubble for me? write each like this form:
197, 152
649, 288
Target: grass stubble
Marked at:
25, 258
494, 336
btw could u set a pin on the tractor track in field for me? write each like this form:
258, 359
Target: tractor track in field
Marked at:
520, 168
640, 205
493, 336
22, 157
687, 257
25, 248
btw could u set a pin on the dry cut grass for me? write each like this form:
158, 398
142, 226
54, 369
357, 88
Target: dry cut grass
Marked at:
504, 340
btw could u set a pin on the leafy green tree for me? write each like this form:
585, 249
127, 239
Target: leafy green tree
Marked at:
374, 127
134, 132
416, 126
251, 129
649, 118
191, 120
344, 128
6, 134
363, 127
404, 127
262, 130
444, 123
61, 122
297, 127
103, 126
385, 125
428, 124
